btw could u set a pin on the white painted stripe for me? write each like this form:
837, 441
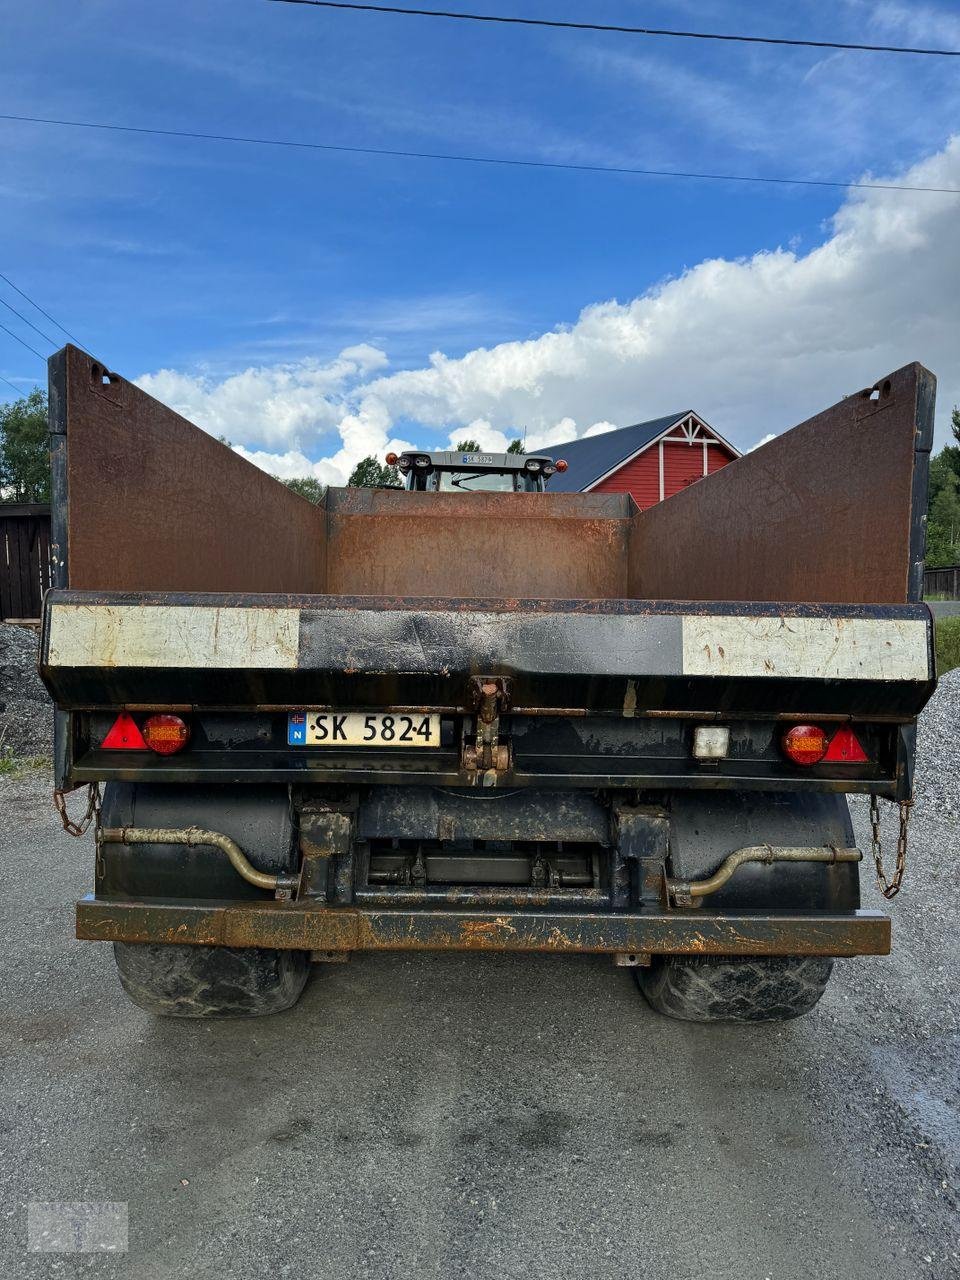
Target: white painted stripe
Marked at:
806, 648
110, 635
205, 636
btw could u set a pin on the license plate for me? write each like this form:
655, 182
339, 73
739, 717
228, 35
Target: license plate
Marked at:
361, 729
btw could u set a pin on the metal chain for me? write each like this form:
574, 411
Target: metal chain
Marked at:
92, 814
889, 888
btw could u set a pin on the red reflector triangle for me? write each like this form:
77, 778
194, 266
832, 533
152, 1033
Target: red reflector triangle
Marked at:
124, 735
845, 748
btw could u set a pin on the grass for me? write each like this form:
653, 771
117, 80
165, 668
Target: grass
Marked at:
947, 635
12, 766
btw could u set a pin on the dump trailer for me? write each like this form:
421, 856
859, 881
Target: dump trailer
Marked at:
483, 721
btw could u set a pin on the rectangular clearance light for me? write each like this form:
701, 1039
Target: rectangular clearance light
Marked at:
711, 741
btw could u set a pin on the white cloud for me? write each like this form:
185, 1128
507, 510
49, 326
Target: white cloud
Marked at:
544, 437
754, 344
487, 437
284, 403
365, 432
831, 112
600, 429
286, 466
921, 22
771, 435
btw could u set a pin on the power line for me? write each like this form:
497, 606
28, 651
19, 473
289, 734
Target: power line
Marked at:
17, 337
471, 159
46, 337
10, 385
629, 31
41, 310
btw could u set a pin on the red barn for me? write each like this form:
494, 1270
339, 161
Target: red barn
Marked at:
650, 461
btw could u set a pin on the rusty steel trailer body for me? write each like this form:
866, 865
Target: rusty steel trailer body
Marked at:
570, 649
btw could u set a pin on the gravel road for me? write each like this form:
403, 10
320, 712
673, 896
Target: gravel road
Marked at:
480, 1116
26, 713
488, 1116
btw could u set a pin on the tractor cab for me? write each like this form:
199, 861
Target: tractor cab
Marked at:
449, 471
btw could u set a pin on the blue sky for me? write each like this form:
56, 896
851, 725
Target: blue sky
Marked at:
215, 262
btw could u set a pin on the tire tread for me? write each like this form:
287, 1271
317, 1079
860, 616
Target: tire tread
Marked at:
210, 982
735, 989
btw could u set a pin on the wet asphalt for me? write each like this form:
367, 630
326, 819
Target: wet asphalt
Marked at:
479, 1116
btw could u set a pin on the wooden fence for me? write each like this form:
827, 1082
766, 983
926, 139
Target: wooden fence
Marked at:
24, 560
942, 582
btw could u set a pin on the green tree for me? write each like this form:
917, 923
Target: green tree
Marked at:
369, 473
515, 446
25, 450
943, 509
943, 521
308, 487
468, 446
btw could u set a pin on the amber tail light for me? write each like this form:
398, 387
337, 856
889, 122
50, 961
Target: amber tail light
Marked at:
804, 744
165, 733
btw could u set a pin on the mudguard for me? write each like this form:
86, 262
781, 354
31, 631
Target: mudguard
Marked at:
706, 826
260, 819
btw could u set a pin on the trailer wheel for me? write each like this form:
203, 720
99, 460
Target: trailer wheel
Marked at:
734, 988
211, 982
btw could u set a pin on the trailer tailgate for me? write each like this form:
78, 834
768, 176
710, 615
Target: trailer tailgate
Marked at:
621, 657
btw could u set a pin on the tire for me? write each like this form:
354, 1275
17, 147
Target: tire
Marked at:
735, 988
211, 982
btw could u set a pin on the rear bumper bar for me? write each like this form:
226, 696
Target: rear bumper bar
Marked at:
314, 926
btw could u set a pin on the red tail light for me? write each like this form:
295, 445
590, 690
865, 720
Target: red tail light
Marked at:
845, 748
804, 744
560, 464
391, 459
124, 735
166, 734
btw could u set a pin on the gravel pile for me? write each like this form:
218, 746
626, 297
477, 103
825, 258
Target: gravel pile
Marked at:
937, 779
26, 714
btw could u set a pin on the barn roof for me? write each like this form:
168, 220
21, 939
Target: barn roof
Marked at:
593, 456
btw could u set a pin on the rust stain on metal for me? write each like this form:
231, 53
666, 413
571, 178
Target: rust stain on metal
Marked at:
157, 504
477, 934
823, 482
562, 546
560, 940
314, 926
